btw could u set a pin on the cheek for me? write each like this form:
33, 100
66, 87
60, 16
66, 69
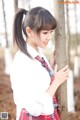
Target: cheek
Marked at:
39, 43
43, 44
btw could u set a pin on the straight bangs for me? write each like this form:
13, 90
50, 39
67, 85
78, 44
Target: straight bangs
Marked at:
45, 21
47, 25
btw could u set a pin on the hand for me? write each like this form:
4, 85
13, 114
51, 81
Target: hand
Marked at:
61, 75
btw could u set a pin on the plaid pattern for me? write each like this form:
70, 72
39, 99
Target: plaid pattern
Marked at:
26, 116
44, 64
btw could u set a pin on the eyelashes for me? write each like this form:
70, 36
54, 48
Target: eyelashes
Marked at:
47, 32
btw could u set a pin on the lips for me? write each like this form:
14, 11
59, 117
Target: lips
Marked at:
45, 43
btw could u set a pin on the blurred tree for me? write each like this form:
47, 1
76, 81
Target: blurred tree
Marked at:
76, 35
76, 58
15, 5
5, 24
70, 86
25, 4
61, 59
28, 2
68, 33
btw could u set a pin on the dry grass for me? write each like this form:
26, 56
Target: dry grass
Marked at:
6, 94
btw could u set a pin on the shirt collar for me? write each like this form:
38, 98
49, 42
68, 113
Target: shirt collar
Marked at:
32, 51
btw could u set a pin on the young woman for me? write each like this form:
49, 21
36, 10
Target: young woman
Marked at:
34, 83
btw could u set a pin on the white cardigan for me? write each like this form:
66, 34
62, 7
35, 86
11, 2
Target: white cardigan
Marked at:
30, 82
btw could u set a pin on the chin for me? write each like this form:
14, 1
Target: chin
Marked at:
43, 47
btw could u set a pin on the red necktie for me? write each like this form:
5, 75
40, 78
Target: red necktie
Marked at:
44, 64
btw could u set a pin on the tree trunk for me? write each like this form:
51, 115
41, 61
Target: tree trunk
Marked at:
61, 59
68, 34
5, 24
76, 57
70, 82
76, 35
15, 5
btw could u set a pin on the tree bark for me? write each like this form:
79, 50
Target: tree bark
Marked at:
61, 59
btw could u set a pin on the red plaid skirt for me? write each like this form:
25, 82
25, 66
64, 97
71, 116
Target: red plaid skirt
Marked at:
26, 116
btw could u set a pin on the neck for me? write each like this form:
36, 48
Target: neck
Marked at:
32, 44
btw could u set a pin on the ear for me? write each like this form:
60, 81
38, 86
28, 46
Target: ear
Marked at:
28, 31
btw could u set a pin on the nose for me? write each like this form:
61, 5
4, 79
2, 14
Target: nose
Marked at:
47, 39
48, 36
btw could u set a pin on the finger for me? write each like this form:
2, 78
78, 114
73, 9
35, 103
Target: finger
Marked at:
56, 68
66, 71
67, 75
64, 68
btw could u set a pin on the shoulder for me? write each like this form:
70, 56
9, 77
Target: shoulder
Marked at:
20, 56
21, 60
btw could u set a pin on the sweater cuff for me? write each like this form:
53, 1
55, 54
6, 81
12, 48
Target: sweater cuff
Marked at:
47, 103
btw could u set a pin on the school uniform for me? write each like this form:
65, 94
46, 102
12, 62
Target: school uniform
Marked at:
30, 82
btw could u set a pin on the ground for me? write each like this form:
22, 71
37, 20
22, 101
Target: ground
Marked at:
6, 95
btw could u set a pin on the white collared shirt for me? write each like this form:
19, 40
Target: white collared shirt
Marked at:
30, 82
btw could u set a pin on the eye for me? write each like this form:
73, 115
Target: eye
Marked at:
51, 31
45, 32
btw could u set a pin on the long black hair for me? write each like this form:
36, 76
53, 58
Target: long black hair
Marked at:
37, 19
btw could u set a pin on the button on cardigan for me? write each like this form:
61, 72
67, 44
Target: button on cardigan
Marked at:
30, 82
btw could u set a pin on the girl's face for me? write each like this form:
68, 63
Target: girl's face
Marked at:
44, 37
40, 40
